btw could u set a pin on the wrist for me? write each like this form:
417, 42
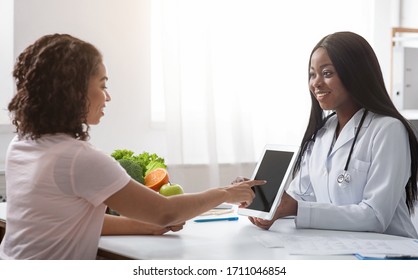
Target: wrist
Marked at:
225, 194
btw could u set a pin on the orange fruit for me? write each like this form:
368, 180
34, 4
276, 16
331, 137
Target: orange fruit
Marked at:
156, 178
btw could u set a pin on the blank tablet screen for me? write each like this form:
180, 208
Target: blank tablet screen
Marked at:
272, 168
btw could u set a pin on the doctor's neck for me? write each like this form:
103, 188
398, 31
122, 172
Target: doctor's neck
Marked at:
344, 116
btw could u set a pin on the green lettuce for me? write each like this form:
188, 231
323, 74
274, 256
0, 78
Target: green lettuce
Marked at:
147, 161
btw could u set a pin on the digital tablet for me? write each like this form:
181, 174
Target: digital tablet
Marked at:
275, 166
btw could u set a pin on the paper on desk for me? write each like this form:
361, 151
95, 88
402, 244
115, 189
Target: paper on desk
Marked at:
327, 245
218, 212
341, 246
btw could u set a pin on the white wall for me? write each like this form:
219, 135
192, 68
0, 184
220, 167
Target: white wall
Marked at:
120, 29
6, 57
409, 9
6, 82
385, 17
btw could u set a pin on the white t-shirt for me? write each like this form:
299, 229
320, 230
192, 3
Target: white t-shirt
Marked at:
56, 187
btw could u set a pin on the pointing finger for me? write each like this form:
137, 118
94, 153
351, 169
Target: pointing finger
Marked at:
256, 182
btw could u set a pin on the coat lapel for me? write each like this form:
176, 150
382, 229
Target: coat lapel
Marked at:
349, 130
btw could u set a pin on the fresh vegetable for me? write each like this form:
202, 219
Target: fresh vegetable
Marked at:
151, 162
153, 165
120, 154
138, 166
147, 162
133, 168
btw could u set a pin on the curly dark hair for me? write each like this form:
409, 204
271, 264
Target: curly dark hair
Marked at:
52, 77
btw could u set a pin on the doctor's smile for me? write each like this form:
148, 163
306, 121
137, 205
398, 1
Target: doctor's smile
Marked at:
321, 94
357, 147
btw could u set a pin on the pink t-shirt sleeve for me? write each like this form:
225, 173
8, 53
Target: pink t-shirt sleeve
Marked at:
94, 175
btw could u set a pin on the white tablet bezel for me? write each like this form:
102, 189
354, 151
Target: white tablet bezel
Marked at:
284, 184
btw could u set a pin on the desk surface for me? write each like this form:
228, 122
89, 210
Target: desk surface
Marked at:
199, 241
221, 240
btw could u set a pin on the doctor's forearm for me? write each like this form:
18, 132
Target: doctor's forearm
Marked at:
327, 216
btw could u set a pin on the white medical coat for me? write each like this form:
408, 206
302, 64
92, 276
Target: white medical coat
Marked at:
374, 199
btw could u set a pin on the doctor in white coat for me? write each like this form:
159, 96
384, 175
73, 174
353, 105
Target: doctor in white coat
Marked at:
357, 169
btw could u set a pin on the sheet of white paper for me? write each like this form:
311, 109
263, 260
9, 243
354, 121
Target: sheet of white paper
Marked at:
311, 242
340, 246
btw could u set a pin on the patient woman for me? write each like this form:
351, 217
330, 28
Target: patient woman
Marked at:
58, 185
357, 169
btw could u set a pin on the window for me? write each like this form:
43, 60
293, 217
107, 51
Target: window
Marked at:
230, 76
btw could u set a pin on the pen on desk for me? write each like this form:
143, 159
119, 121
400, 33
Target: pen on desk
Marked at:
216, 219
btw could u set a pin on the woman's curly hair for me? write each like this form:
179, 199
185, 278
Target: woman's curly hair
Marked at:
52, 77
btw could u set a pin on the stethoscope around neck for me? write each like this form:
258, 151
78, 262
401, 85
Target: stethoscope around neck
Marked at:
344, 178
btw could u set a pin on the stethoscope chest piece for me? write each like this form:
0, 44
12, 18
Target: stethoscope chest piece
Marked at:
343, 179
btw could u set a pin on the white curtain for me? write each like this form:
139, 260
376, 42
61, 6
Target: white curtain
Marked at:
229, 76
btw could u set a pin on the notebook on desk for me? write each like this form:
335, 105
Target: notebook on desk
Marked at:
275, 166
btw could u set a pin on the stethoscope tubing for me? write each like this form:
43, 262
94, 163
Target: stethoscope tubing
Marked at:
345, 176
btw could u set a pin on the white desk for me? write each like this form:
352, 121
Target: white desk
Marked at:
199, 241
222, 240
226, 240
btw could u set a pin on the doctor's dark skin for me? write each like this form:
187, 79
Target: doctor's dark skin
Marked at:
327, 88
